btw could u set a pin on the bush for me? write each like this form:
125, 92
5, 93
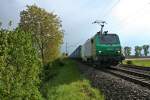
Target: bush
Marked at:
129, 62
51, 69
19, 67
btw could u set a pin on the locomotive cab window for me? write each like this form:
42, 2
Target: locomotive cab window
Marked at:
109, 39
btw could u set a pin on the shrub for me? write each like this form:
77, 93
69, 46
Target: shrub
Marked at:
51, 69
19, 66
129, 62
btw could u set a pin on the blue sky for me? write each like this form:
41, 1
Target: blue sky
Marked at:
130, 19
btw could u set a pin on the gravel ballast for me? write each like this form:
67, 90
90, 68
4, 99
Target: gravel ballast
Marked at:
114, 88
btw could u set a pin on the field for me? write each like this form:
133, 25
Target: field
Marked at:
140, 62
69, 84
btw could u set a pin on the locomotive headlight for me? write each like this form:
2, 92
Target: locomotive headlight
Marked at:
100, 51
118, 51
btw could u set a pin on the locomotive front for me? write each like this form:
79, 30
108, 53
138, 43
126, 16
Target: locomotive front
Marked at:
108, 49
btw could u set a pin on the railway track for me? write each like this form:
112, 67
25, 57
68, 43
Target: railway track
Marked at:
135, 67
114, 88
138, 76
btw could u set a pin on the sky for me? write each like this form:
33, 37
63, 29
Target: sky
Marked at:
130, 19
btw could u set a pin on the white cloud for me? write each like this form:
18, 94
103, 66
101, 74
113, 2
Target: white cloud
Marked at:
133, 14
132, 21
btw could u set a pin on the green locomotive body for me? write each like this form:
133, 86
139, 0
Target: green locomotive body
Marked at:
102, 49
107, 49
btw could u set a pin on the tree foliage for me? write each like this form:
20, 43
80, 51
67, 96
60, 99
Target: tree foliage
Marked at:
127, 51
46, 31
138, 50
145, 48
19, 66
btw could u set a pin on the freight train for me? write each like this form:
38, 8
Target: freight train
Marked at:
101, 49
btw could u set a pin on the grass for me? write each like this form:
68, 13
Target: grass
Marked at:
145, 63
69, 84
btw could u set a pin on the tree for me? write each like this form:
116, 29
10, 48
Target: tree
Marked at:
138, 50
46, 31
127, 51
145, 48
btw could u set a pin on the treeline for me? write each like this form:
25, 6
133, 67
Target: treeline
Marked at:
138, 50
25, 51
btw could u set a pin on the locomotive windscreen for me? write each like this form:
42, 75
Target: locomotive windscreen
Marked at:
109, 39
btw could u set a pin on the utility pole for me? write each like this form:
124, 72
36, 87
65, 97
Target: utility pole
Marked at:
66, 49
101, 23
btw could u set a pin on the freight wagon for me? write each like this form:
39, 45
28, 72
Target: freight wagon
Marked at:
77, 53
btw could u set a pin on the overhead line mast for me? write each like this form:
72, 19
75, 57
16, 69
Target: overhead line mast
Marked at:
66, 49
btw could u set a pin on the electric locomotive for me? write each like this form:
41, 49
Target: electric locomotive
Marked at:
102, 49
